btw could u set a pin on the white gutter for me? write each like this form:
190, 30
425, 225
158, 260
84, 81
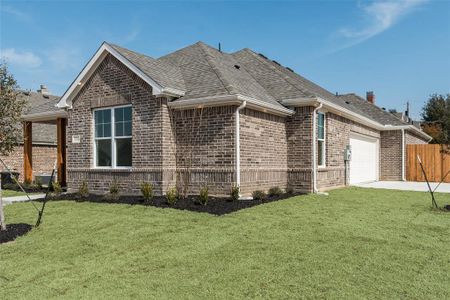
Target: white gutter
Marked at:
236, 99
339, 110
403, 155
314, 149
237, 147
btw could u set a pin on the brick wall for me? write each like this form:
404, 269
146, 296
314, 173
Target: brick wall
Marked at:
338, 130
263, 151
391, 155
44, 157
114, 84
299, 147
205, 148
412, 138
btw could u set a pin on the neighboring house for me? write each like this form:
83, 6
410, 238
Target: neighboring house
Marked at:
201, 117
44, 136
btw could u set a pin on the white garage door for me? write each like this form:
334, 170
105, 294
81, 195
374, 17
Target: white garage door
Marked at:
364, 162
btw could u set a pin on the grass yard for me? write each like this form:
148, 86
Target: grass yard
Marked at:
11, 193
354, 243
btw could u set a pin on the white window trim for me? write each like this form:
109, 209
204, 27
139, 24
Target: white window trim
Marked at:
112, 138
324, 140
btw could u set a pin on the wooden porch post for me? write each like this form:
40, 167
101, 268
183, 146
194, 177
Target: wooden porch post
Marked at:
61, 124
27, 152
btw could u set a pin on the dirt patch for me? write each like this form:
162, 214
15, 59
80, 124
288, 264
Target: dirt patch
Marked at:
13, 231
216, 206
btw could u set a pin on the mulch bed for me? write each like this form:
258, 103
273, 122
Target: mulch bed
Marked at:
216, 206
13, 231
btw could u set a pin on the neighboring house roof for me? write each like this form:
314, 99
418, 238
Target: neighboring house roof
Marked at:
40, 103
202, 75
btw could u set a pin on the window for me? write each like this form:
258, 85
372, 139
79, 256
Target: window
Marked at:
321, 139
113, 137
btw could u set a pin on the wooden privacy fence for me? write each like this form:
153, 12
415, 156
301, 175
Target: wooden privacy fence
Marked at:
435, 161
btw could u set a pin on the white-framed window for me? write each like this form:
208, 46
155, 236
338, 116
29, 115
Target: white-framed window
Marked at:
321, 131
113, 137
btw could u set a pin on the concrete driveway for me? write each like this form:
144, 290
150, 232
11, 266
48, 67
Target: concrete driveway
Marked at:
406, 186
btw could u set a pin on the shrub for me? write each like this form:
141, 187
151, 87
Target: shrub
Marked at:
259, 195
171, 196
31, 187
147, 191
275, 191
290, 190
83, 190
114, 190
203, 197
38, 182
235, 193
56, 187
11, 186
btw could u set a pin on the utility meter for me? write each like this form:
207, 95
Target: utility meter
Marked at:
348, 153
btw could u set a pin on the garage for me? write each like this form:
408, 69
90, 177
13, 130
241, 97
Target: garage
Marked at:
365, 159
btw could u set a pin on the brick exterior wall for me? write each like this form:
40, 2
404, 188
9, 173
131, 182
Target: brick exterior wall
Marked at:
113, 84
44, 157
299, 147
391, 155
338, 130
412, 138
263, 151
205, 148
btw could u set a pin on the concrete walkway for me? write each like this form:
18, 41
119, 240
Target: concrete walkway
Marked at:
406, 186
10, 200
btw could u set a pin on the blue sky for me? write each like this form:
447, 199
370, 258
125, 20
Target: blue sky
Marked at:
398, 49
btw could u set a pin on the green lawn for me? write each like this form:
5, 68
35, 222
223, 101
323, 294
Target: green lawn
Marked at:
10, 193
354, 243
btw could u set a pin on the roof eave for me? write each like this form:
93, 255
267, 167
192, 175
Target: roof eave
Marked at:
45, 116
236, 99
314, 101
94, 62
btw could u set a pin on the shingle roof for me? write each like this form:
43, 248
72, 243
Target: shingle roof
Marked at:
37, 103
209, 72
163, 72
363, 107
202, 71
283, 84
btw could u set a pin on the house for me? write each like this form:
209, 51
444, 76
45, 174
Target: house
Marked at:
201, 117
43, 136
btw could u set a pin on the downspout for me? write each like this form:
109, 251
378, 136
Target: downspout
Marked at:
314, 149
403, 155
238, 145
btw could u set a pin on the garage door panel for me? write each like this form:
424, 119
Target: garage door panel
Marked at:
364, 163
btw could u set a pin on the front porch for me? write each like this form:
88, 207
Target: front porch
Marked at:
45, 115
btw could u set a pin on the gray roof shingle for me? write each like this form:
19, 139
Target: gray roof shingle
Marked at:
283, 84
164, 73
37, 103
203, 71
365, 108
